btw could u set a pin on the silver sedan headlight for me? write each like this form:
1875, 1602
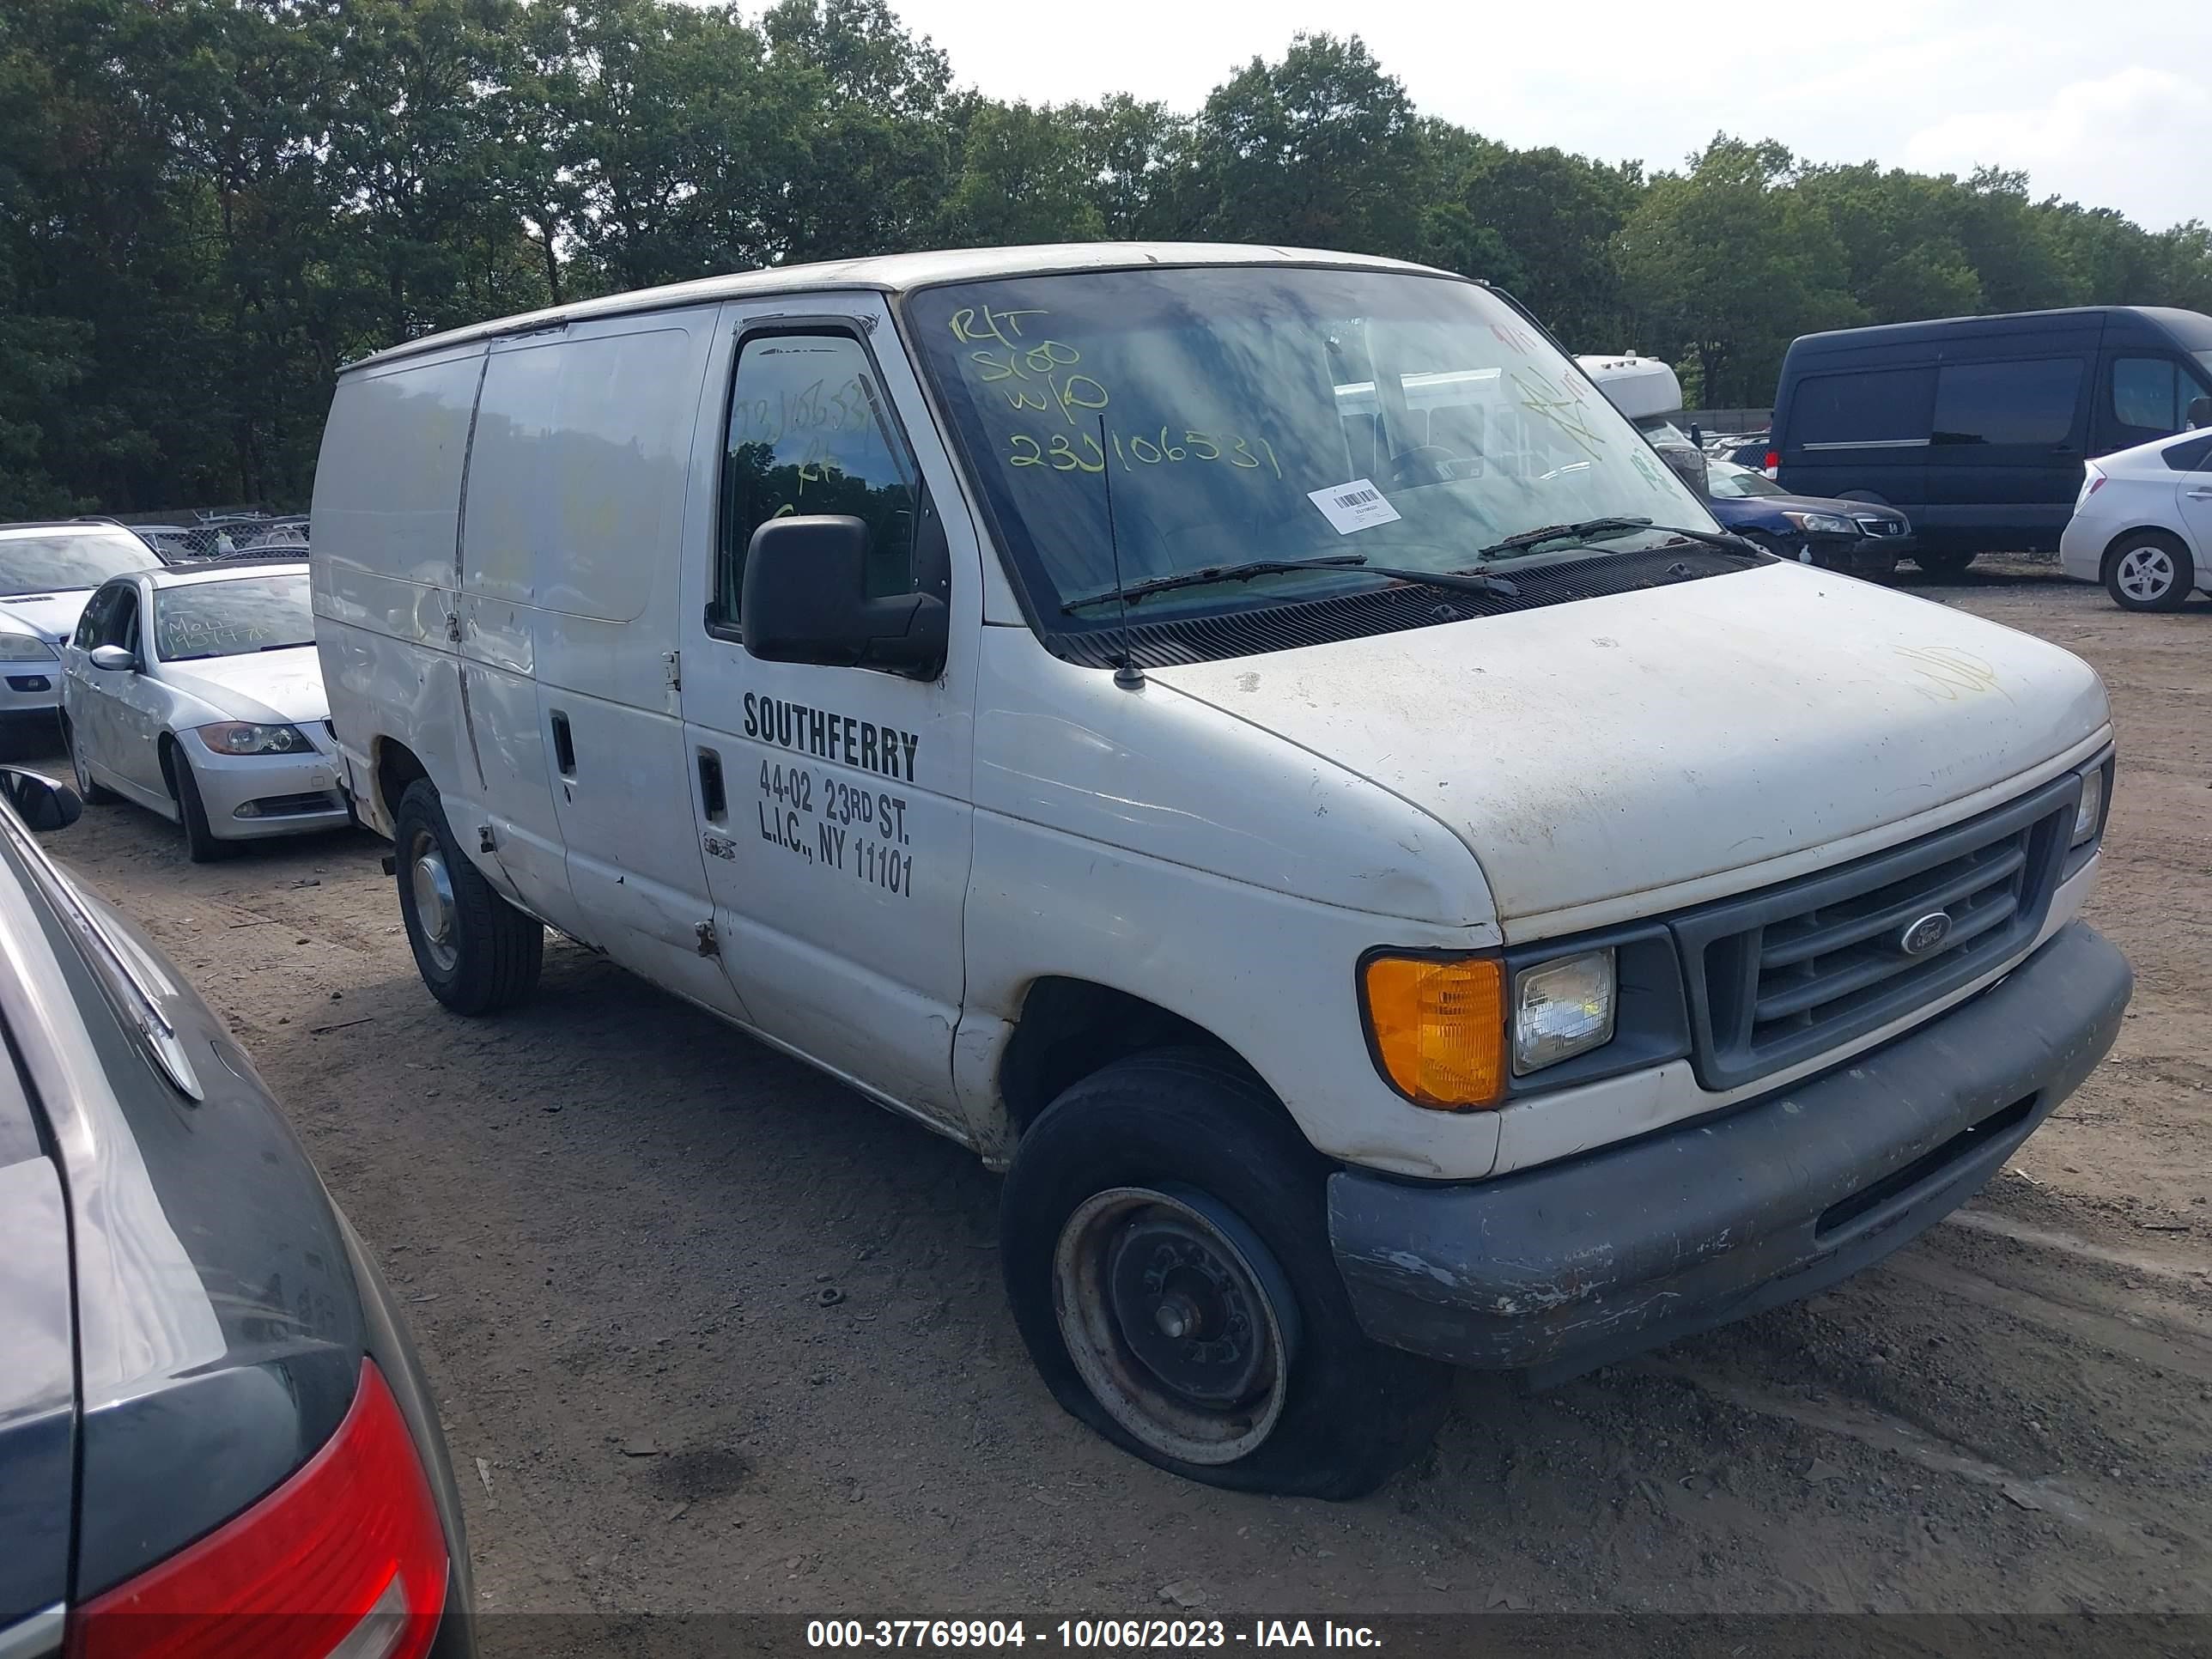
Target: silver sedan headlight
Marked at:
23, 648
243, 738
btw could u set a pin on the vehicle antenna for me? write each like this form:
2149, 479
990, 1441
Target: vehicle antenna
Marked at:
1128, 676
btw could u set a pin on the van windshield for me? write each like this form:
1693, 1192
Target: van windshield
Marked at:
1240, 413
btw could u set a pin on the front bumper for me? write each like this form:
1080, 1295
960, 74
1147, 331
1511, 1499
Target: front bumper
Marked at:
30, 689
1574, 1265
1857, 555
280, 795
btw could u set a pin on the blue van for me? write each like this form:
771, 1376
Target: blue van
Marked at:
1976, 427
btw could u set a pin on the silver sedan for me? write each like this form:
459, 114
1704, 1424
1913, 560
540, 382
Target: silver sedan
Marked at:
196, 692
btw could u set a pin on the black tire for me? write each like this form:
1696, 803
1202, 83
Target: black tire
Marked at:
1943, 567
200, 843
1345, 1412
2149, 570
487, 955
94, 795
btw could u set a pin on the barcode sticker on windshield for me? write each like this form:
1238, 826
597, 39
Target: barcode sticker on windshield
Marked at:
1355, 506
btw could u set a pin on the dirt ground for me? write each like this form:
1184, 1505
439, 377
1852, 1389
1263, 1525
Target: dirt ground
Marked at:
710, 1332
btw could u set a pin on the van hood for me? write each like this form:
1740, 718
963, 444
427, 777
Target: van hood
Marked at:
1615, 745
275, 687
51, 616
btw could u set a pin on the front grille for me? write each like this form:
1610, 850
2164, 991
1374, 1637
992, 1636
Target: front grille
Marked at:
1783, 975
1881, 526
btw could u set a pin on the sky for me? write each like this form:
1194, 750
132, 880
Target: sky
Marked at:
2109, 108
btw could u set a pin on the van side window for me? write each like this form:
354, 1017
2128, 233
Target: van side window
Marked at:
2018, 403
1881, 407
809, 433
2148, 392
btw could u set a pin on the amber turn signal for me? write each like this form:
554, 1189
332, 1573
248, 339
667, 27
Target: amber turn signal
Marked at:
1437, 1027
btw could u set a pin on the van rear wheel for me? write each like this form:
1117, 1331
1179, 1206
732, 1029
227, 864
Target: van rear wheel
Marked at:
1164, 1238
477, 952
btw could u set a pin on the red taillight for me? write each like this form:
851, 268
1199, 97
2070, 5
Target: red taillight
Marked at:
345, 1560
1773, 462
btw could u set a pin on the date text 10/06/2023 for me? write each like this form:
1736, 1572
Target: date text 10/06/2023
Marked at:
1041, 376
1087, 1635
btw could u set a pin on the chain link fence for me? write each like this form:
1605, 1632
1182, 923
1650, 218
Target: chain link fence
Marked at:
223, 536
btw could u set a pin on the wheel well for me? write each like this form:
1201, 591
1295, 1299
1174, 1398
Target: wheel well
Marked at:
395, 767
166, 750
1070, 1028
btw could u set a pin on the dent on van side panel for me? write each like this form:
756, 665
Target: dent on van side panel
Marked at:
386, 507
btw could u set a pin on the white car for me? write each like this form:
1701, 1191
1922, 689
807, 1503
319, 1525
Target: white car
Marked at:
196, 692
2142, 524
47, 572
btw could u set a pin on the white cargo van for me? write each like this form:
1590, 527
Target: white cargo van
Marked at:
1256, 745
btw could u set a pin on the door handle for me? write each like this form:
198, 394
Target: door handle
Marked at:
2200, 494
714, 798
564, 745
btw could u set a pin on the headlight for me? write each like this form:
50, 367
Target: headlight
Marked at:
1561, 1009
1436, 1024
242, 738
24, 647
2091, 811
1822, 523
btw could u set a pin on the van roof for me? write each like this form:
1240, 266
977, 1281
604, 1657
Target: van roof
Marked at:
2191, 329
897, 273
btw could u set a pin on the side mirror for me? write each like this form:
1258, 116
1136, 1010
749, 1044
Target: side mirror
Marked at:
40, 801
2200, 413
806, 600
1689, 466
113, 659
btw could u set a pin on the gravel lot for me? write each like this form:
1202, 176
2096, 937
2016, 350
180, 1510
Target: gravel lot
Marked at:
711, 1333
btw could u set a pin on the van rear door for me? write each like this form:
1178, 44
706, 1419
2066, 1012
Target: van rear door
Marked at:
2005, 448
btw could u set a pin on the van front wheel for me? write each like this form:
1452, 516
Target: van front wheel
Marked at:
477, 952
1164, 1238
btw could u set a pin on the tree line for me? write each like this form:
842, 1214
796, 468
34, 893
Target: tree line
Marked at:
208, 206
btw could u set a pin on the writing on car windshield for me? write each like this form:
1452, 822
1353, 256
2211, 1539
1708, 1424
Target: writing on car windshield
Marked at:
1274, 413
231, 618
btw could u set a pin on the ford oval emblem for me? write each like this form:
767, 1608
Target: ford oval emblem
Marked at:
1925, 934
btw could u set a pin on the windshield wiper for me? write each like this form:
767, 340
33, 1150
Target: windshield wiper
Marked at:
1467, 582
1593, 529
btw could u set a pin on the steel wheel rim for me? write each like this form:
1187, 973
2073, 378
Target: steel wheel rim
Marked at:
1193, 1262
432, 885
2146, 573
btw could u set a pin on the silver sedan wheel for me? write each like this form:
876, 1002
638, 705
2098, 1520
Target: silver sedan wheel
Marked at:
2146, 574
